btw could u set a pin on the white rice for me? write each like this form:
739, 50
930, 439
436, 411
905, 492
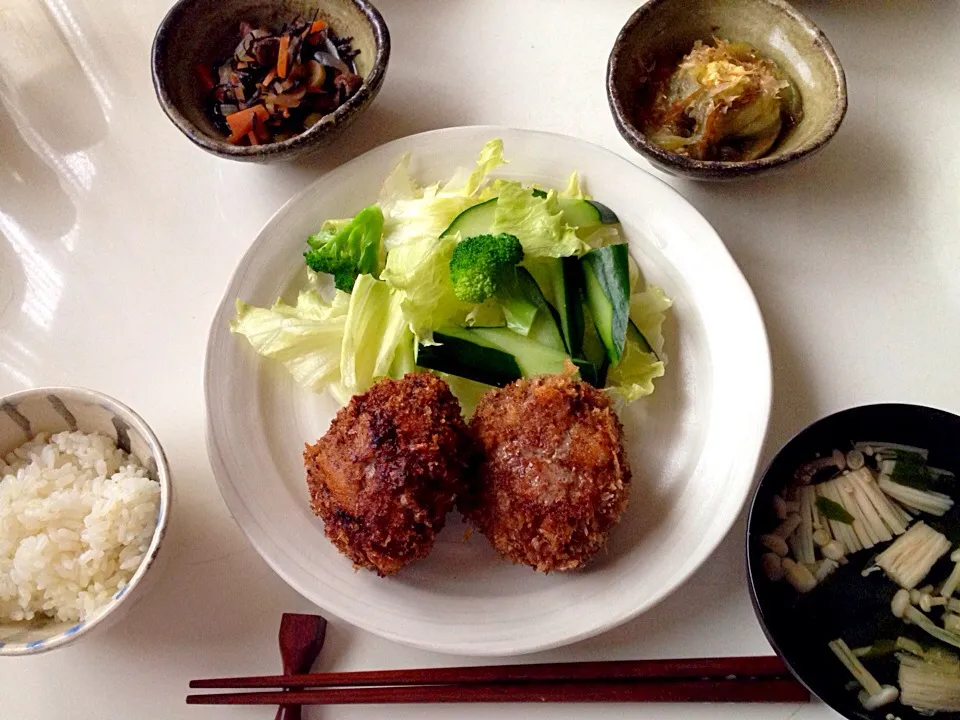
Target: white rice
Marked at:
76, 518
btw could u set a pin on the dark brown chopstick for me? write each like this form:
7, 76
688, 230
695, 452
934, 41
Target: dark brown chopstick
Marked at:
612, 670
688, 691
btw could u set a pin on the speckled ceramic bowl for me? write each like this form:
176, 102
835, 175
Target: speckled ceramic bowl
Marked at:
25, 414
201, 32
667, 29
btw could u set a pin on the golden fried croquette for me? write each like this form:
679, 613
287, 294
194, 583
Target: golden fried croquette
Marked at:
388, 471
553, 476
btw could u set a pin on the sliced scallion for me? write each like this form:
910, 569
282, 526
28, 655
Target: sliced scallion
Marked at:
834, 511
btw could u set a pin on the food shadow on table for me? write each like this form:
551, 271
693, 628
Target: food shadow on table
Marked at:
389, 118
855, 177
26, 175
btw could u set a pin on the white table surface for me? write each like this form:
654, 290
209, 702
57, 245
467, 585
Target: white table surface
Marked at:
117, 238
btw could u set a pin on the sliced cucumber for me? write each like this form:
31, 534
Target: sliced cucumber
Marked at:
587, 213
532, 357
468, 357
546, 331
606, 276
522, 302
495, 356
546, 326
593, 350
476, 220
590, 373
567, 282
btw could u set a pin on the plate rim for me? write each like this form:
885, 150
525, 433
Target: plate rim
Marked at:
520, 646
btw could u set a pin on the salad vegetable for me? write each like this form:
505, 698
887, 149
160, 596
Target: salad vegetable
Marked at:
483, 280
347, 249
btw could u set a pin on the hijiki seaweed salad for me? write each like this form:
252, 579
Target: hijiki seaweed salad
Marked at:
277, 84
484, 281
888, 499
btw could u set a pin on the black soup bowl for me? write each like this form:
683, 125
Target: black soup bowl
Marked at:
846, 605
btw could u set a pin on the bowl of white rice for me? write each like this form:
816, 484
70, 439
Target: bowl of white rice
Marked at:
85, 499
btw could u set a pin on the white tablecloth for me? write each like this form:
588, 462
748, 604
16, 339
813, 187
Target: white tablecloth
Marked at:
117, 237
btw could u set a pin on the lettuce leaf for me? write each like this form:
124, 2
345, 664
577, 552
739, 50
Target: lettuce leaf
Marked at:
468, 392
374, 328
413, 213
574, 189
537, 222
648, 310
419, 273
306, 338
490, 158
632, 378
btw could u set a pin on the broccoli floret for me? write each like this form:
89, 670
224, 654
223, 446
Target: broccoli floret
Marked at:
483, 265
349, 252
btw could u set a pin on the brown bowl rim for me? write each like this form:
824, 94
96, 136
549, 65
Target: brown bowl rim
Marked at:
720, 168
369, 88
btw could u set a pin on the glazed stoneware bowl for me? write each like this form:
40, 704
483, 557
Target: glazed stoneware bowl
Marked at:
846, 604
665, 30
203, 32
24, 415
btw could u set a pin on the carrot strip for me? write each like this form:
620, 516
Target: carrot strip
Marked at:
252, 137
282, 56
316, 26
241, 122
269, 78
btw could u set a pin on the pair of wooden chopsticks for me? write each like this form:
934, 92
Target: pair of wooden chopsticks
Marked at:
743, 679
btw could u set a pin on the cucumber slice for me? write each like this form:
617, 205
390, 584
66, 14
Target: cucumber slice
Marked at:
546, 326
606, 276
476, 220
590, 373
593, 350
532, 357
587, 213
468, 358
546, 331
567, 281
495, 356
522, 302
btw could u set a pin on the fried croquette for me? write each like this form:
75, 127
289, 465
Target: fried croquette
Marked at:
388, 471
553, 476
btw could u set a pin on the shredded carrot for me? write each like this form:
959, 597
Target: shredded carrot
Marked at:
269, 78
316, 26
241, 122
282, 56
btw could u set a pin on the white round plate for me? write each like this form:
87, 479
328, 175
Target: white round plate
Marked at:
694, 444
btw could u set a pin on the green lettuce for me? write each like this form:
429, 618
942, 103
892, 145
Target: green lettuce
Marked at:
537, 221
306, 338
574, 189
632, 378
413, 213
373, 330
648, 310
419, 272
